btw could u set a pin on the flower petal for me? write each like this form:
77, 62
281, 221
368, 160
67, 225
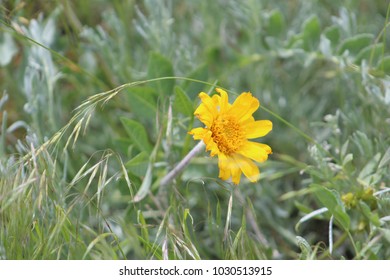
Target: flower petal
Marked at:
224, 100
204, 134
211, 145
223, 165
216, 99
198, 133
208, 102
256, 151
257, 128
204, 115
207, 110
266, 148
248, 167
228, 168
244, 106
236, 171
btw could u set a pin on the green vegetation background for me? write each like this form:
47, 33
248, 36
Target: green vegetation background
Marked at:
90, 124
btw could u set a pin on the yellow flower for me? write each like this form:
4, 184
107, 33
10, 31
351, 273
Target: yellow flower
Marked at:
228, 128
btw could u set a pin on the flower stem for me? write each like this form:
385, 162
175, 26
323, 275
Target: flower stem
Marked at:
181, 165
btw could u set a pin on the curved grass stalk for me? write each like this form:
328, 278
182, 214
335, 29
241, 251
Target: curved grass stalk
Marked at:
85, 110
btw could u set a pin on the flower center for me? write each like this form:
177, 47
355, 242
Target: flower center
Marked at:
227, 134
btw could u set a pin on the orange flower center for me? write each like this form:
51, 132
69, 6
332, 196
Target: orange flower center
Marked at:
227, 134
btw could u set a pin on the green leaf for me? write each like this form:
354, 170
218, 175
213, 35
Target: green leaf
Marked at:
325, 196
182, 102
370, 53
331, 200
386, 233
138, 164
367, 212
8, 48
385, 159
363, 142
344, 149
333, 34
142, 102
384, 65
347, 159
123, 144
276, 23
148, 177
146, 184
356, 43
341, 216
159, 67
137, 134
370, 167
302, 207
311, 33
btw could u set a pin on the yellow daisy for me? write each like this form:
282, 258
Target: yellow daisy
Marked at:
228, 128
